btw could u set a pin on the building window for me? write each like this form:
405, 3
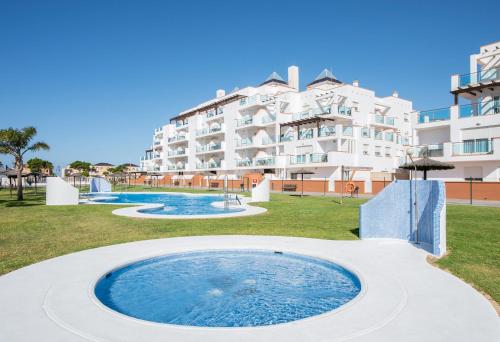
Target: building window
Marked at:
365, 132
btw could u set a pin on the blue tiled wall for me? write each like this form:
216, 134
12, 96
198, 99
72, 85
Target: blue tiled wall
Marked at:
390, 214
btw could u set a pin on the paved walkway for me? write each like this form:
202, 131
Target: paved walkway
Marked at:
403, 298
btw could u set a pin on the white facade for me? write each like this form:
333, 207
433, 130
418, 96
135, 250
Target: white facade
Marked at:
277, 129
467, 134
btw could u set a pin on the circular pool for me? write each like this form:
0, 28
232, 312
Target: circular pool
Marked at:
226, 288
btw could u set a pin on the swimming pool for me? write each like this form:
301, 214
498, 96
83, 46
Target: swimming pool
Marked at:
227, 288
169, 203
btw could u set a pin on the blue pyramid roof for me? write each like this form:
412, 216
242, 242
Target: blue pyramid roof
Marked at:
325, 75
274, 77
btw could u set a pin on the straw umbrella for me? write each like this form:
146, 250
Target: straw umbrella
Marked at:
427, 164
303, 172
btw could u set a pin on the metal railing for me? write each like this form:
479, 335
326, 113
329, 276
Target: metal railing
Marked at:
434, 150
311, 158
441, 114
479, 109
478, 77
470, 147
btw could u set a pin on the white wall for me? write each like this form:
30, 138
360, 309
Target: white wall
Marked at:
59, 192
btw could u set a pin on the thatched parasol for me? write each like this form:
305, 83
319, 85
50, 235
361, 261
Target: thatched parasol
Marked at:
427, 164
303, 172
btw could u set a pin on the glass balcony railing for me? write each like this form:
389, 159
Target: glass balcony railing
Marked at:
176, 167
266, 161
244, 163
311, 158
476, 146
347, 131
181, 123
268, 119
209, 165
177, 153
434, 115
479, 77
244, 142
390, 121
177, 138
343, 110
286, 137
254, 100
435, 150
480, 108
210, 147
244, 122
389, 136
306, 134
379, 119
327, 131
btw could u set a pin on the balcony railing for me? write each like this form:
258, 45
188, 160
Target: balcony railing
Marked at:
312, 112
210, 147
435, 150
311, 158
176, 167
156, 143
265, 161
472, 147
244, 122
327, 131
177, 153
212, 113
434, 115
177, 138
244, 162
211, 130
286, 137
343, 110
306, 134
347, 131
479, 77
389, 136
181, 123
479, 109
268, 119
244, 142
209, 165
254, 100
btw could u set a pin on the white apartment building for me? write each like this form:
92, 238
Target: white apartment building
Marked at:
277, 129
467, 134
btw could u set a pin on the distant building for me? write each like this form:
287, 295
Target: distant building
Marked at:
99, 169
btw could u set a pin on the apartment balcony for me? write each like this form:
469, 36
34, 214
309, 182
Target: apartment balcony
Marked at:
177, 153
255, 101
212, 131
158, 130
433, 151
245, 122
177, 139
268, 120
312, 158
473, 147
265, 161
383, 121
214, 113
327, 131
209, 165
210, 148
177, 167
434, 115
268, 141
244, 143
473, 83
286, 138
247, 162
479, 109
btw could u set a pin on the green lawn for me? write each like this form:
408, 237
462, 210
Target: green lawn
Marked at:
31, 232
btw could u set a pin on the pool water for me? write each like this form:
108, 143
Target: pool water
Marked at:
173, 204
241, 288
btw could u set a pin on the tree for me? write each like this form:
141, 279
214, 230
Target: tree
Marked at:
81, 166
37, 165
118, 169
16, 142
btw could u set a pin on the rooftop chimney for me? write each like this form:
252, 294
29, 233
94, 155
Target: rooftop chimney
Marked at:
293, 77
395, 93
220, 93
355, 83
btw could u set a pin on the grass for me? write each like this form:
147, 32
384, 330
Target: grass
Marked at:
31, 232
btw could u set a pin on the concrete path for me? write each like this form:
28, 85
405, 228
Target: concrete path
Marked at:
403, 298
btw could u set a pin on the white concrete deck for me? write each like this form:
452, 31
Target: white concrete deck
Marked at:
403, 297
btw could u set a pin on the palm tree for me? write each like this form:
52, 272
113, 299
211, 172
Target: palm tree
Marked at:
16, 142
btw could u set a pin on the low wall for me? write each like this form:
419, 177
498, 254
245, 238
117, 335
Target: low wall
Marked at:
391, 214
480, 190
60, 192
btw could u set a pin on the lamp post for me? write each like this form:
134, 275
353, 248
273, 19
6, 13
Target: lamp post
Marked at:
409, 153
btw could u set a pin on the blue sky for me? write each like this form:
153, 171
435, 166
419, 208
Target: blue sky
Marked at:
96, 77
